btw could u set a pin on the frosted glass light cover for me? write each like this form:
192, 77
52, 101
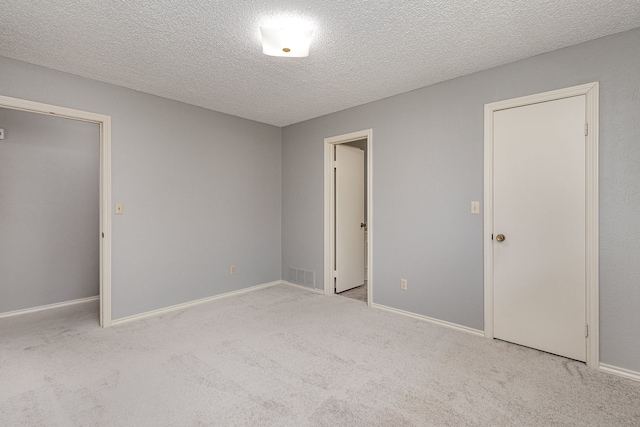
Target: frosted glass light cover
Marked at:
288, 42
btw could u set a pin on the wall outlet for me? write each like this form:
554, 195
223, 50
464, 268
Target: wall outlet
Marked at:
475, 208
403, 284
119, 209
232, 270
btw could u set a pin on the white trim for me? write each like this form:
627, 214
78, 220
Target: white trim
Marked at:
592, 226
188, 304
488, 222
438, 322
105, 220
621, 372
329, 208
306, 288
591, 92
47, 307
105, 185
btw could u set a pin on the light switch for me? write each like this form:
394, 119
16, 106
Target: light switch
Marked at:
475, 208
119, 209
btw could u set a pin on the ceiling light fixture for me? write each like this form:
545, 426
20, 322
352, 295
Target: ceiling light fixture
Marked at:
288, 42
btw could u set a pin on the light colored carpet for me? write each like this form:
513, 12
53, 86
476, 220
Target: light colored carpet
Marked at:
283, 356
359, 293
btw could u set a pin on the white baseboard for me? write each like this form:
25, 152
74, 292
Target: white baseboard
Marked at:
621, 372
306, 288
191, 303
446, 324
48, 307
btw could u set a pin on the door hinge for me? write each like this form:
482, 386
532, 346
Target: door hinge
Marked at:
335, 164
586, 330
586, 129
335, 273
103, 235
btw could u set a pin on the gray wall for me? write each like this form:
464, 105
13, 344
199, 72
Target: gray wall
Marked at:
428, 166
49, 210
201, 190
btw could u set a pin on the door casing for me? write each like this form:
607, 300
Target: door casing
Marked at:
105, 185
591, 92
329, 207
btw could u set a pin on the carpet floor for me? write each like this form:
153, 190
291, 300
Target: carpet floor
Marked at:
359, 293
283, 356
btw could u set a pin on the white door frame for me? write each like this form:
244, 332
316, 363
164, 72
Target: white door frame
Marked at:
591, 92
329, 207
105, 185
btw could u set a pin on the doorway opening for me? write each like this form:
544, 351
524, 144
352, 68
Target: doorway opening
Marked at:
541, 254
104, 231
348, 215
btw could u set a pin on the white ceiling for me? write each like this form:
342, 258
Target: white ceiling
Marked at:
208, 52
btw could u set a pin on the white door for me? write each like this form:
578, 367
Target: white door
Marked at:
349, 262
539, 208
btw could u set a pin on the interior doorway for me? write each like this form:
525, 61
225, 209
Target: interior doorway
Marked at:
348, 215
104, 229
541, 222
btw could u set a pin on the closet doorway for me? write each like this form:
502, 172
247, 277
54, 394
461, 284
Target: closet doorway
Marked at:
103, 229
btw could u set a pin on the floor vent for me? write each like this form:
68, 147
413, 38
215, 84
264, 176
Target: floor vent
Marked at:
302, 277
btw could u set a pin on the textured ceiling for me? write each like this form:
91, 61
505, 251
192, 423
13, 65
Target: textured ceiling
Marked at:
208, 52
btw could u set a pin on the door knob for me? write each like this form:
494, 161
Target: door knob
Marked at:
500, 237
362, 225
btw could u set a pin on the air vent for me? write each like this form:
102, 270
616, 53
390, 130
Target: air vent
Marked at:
302, 277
